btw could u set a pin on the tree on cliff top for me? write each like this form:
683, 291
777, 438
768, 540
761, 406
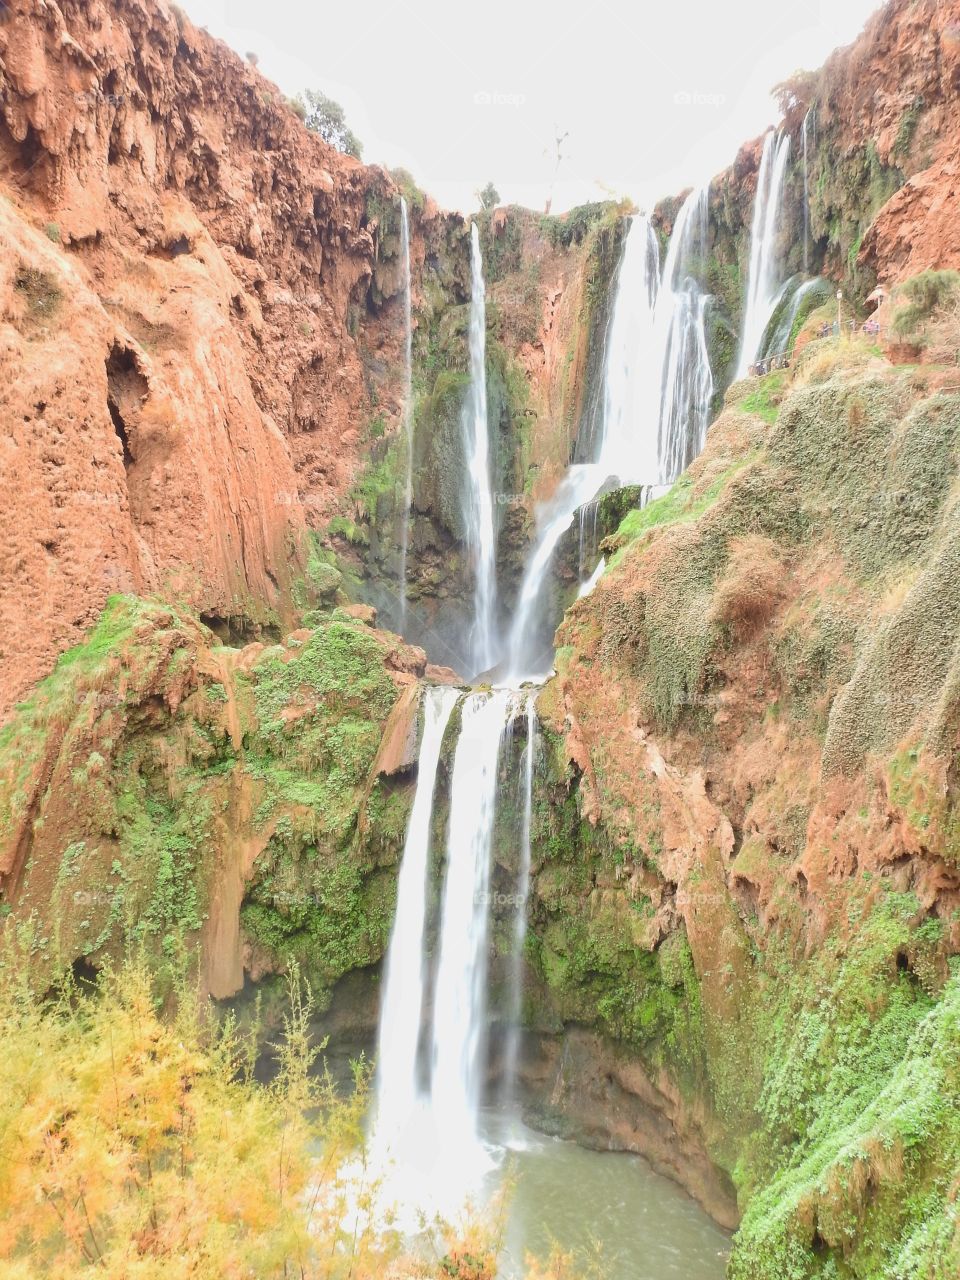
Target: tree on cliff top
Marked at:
324, 116
489, 197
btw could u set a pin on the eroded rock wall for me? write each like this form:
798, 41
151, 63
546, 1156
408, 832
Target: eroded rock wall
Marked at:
196, 318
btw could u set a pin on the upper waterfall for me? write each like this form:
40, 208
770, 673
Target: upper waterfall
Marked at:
480, 530
805, 136
657, 391
680, 315
763, 281
407, 404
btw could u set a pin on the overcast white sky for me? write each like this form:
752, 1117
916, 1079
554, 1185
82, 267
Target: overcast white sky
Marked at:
655, 96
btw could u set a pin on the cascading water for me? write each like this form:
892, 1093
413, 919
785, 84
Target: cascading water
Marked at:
790, 301
519, 903
480, 530
681, 338
407, 405
634, 365
429, 1155
763, 282
460, 996
657, 393
804, 132
402, 1004
426, 1116
587, 544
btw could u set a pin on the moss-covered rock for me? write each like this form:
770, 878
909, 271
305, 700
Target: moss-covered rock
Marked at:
752, 832
155, 781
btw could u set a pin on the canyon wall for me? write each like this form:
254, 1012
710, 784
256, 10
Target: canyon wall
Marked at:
746, 893
197, 321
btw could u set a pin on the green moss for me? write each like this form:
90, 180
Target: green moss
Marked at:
908, 127
680, 505
765, 400
858, 1133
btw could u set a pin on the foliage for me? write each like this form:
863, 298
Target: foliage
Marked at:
796, 94
908, 126
138, 1141
921, 297
572, 227
138, 1145
41, 294
327, 118
488, 196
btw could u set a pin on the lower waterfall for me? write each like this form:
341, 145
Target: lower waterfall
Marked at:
426, 1125
401, 1009
460, 1003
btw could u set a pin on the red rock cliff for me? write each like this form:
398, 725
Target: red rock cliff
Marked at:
184, 324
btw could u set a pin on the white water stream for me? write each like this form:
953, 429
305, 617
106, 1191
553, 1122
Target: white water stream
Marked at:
763, 282
657, 392
397, 1086
480, 529
407, 405
431, 1144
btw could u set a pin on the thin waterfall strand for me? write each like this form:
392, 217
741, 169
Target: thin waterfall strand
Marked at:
512, 1052
680, 328
806, 194
763, 280
460, 997
481, 537
407, 405
402, 1002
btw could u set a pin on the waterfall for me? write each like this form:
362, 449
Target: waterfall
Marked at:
460, 1003
657, 391
587, 544
762, 277
591, 582
680, 317
402, 1002
778, 338
407, 405
515, 1010
530, 651
427, 1132
481, 541
806, 195
633, 368
658, 378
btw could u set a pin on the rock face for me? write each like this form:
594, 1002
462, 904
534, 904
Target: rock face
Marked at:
190, 304
882, 148
759, 714
164, 790
745, 904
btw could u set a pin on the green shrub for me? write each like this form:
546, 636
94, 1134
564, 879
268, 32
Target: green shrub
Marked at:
924, 295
